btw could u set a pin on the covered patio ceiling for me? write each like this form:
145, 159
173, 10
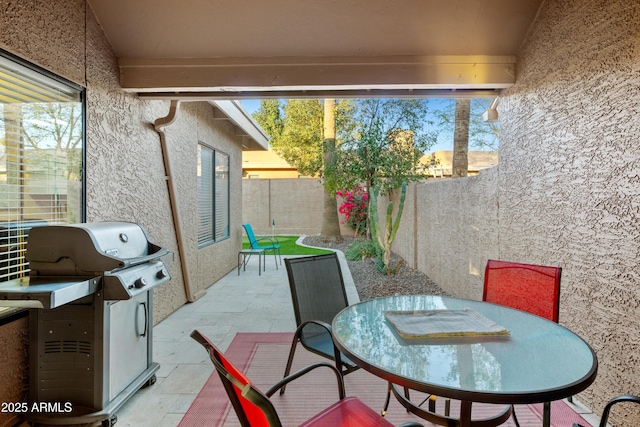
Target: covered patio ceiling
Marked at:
207, 49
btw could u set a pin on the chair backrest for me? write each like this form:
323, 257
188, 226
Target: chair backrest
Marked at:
317, 287
527, 287
252, 237
252, 407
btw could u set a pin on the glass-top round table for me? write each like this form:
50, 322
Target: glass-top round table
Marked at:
538, 361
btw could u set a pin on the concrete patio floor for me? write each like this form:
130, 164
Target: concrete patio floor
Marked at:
247, 302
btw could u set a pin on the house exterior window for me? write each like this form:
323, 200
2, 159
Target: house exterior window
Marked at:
41, 158
213, 195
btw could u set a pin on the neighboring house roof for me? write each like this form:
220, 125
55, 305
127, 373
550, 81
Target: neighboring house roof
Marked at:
264, 162
478, 160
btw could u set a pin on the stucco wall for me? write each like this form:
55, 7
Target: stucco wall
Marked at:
195, 124
124, 163
125, 170
566, 190
14, 366
569, 176
51, 35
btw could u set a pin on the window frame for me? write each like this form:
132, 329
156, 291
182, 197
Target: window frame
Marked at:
212, 233
48, 78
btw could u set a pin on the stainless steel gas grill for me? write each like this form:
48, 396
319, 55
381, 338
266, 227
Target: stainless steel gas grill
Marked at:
90, 323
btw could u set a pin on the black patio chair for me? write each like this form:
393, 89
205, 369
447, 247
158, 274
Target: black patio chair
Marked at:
318, 294
607, 409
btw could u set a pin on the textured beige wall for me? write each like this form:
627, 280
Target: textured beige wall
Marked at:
49, 34
125, 170
566, 190
195, 123
569, 180
14, 366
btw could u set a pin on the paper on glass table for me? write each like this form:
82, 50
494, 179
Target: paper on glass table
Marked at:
443, 323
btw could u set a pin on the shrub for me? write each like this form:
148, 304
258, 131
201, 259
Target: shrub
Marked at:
354, 208
360, 249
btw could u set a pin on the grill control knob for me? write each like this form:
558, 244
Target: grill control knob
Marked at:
161, 274
140, 283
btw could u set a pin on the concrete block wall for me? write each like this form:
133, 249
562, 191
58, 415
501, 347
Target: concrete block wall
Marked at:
296, 206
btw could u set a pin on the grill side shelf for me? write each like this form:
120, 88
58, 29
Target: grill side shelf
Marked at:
45, 292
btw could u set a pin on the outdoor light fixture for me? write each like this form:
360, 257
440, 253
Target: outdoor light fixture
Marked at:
491, 115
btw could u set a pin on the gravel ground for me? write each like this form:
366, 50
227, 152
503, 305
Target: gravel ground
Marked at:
370, 283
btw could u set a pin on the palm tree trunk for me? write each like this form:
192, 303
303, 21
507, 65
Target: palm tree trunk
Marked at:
460, 164
330, 222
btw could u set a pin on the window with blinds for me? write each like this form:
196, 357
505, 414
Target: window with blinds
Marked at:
41, 157
213, 195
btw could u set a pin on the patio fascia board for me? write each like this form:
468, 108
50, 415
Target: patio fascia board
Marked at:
254, 76
251, 134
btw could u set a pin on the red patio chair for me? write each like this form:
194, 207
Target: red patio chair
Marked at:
527, 287
254, 409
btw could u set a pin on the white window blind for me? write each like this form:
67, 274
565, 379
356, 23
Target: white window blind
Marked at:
41, 155
222, 196
213, 195
205, 195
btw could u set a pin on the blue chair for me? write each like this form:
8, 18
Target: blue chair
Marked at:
274, 244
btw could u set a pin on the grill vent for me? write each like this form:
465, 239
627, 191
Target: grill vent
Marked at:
81, 347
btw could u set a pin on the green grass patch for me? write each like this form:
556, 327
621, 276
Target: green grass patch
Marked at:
288, 246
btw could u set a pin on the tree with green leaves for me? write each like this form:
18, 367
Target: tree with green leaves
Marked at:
302, 131
381, 146
382, 143
295, 129
482, 135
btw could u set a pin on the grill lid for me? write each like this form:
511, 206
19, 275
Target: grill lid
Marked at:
84, 249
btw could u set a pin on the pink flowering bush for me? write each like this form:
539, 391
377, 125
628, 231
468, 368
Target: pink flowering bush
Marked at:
354, 208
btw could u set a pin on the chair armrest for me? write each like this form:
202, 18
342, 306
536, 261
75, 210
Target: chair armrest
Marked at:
618, 399
325, 325
286, 380
336, 353
274, 240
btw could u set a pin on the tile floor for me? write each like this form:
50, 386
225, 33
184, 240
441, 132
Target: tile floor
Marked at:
237, 303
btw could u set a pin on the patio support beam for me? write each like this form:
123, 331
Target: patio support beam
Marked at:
309, 74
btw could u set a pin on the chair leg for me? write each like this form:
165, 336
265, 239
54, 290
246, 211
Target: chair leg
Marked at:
513, 414
386, 401
287, 370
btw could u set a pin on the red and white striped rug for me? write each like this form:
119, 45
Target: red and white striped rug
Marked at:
263, 356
